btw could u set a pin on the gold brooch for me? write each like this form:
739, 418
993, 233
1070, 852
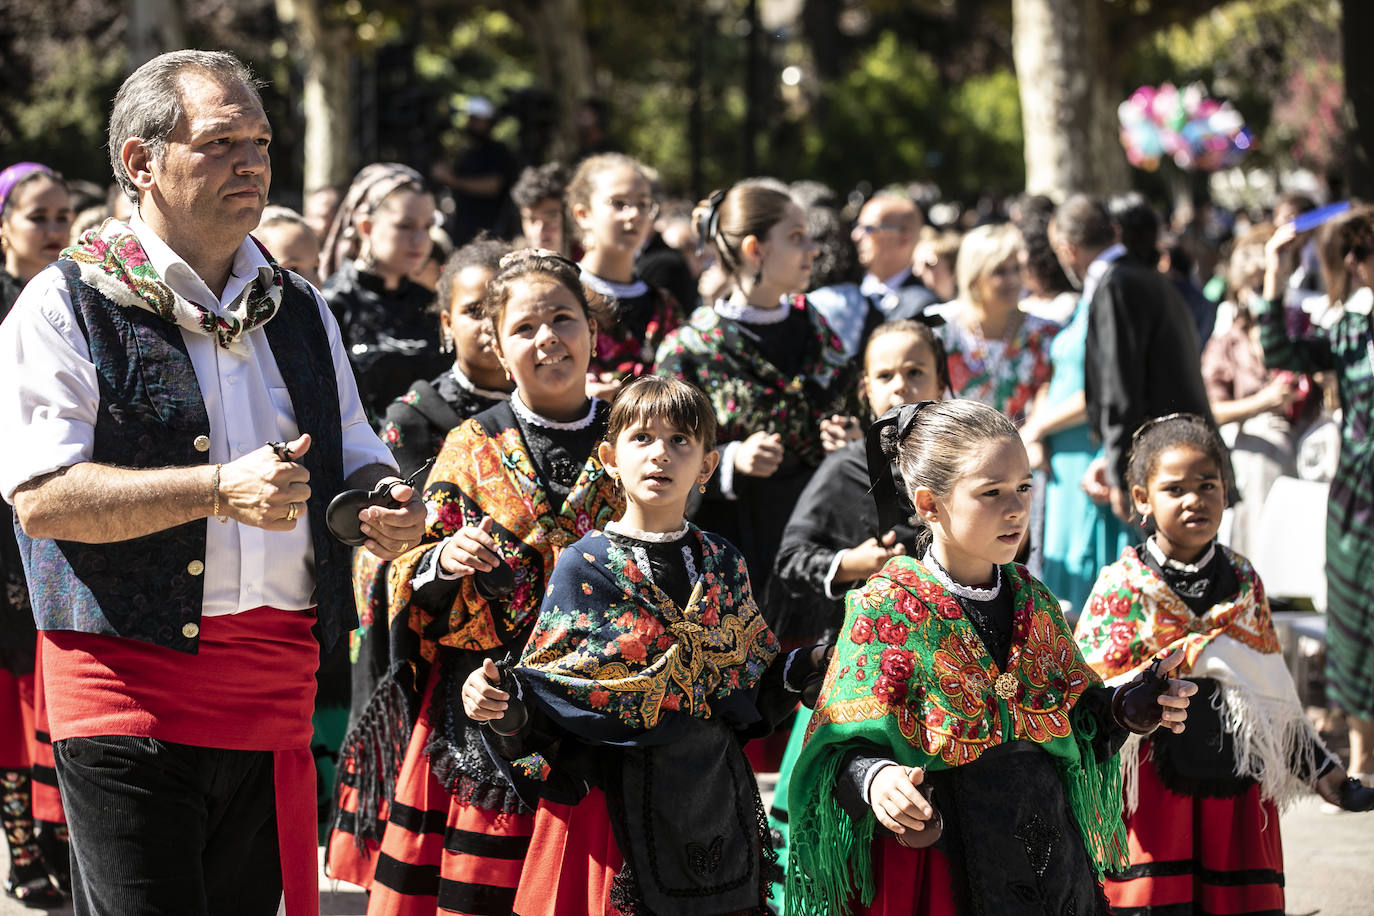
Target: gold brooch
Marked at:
1005, 685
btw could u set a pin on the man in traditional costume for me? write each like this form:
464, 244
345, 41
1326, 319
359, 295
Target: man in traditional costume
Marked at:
144, 371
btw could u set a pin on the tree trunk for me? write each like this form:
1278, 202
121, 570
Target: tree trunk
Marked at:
324, 50
1357, 18
559, 34
155, 26
1068, 98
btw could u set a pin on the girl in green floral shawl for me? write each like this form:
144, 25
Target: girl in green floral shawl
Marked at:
962, 755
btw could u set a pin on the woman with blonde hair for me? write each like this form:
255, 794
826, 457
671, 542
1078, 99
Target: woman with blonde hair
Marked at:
998, 354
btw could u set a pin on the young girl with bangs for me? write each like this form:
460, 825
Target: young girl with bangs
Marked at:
611, 201
1202, 808
511, 489
961, 757
648, 668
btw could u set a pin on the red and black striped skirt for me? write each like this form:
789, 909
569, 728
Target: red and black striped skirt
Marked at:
1198, 856
440, 853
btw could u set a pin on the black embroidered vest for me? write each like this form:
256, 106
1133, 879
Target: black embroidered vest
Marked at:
151, 415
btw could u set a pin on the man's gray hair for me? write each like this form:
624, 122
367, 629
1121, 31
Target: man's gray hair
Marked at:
1083, 220
148, 105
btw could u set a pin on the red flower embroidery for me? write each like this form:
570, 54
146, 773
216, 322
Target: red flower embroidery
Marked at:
862, 631
891, 632
671, 701
599, 698
889, 690
897, 664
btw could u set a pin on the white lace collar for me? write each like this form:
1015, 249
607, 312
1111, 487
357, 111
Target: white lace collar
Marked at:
1162, 560
958, 589
604, 287
652, 537
728, 308
529, 416
466, 384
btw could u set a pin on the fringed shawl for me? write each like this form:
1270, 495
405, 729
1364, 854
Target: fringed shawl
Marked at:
611, 652
911, 675
479, 475
483, 470
1134, 617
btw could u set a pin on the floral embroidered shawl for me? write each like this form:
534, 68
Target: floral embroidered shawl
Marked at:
481, 475
612, 649
750, 394
112, 261
911, 675
1134, 617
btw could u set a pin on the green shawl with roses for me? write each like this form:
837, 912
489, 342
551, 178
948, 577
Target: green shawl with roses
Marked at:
911, 675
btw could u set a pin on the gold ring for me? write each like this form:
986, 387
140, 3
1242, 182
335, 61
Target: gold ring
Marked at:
291, 512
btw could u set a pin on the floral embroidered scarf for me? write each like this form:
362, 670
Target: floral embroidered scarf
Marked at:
610, 644
477, 475
748, 393
1134, 617
911, 675
112, 262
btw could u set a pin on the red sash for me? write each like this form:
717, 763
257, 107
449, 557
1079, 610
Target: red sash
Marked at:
251, 687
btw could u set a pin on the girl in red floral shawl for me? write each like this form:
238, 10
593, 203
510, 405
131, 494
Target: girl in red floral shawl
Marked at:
649, 667
511, 489
1202, 809
961, 757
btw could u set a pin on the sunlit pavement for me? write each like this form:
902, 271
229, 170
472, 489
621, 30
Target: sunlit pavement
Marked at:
1329, 860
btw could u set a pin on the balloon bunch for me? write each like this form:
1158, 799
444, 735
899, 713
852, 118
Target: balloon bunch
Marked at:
1197, 132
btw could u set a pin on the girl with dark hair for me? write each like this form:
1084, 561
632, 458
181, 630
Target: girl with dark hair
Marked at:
961, 757
417, 422
833, 541
35, 218
511, 489
611, 200
35, 215
775, 373
648, 668
379, 238
1202, 809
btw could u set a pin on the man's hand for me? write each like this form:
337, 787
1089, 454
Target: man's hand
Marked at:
262, 490
391, 532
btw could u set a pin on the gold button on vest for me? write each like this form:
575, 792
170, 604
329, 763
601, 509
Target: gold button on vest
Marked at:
195, 567
190, 630
202, 443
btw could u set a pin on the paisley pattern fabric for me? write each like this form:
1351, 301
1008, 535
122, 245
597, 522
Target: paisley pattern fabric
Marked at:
612, 642
1133, 617
750, 394
112, 261
482, 474
911, 675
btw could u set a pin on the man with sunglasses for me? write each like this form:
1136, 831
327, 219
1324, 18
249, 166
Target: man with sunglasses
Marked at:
886, 235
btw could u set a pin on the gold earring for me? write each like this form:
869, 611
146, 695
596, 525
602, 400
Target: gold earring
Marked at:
701, 488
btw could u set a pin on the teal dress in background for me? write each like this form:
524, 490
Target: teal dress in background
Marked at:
1080, 537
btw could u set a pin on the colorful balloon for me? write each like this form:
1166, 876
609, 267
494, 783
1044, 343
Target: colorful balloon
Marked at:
1195, 131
